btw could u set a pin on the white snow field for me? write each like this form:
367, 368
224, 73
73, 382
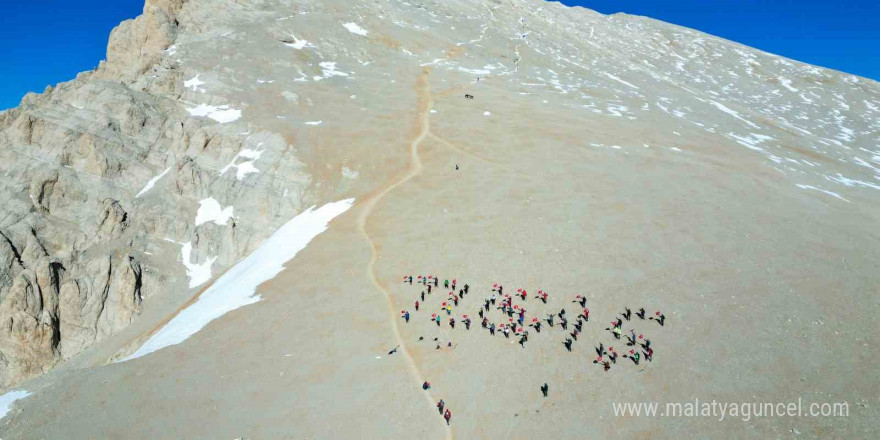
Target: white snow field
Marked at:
355, 29
222, 114
198, 273
211, 211
237, 286
8, 399
152, 182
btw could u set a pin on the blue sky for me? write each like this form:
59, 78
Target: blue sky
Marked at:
840, 34
44, 42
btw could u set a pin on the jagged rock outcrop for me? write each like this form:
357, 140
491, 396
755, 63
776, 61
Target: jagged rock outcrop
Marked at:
84, 233
136, 45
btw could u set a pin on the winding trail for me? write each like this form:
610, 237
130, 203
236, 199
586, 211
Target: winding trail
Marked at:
425, 102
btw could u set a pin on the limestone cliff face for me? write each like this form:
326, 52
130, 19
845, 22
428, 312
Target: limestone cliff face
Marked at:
83, 241
136, 45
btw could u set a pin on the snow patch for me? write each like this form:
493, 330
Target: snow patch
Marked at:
314, 122
210, 211
198, 273
830, 193
787, 84
475, 71
244, 168
355, 29
329, 69
152, 182
851, 182
620, 80
221, 114
9, 398
751, 141
733, 113
237, 287
195, 84
299, 44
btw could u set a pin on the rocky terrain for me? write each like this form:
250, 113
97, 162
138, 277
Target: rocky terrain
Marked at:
615, 156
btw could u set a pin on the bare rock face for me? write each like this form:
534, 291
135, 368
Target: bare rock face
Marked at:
103, 177
136, 45
29, 311
105, 299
